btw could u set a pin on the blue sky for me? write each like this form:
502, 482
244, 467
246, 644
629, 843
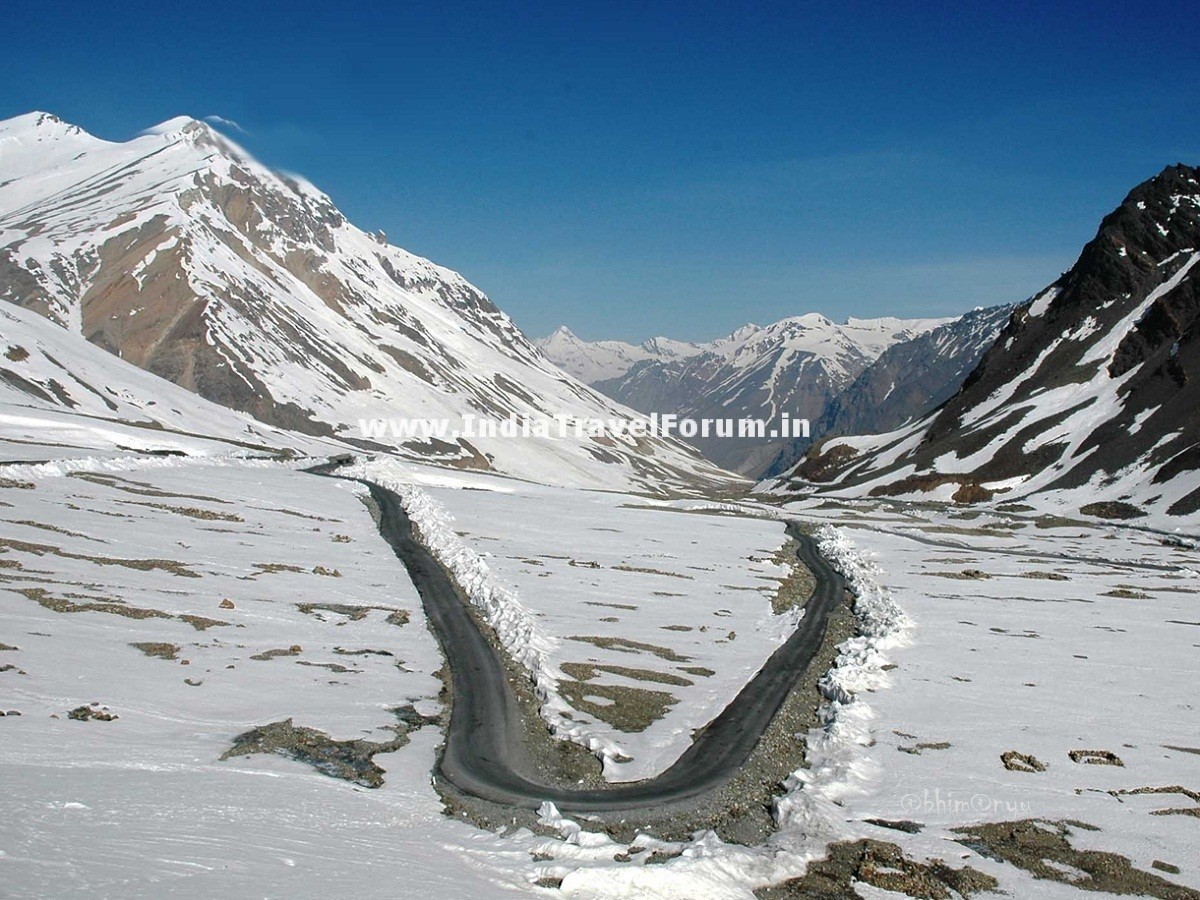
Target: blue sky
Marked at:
670, 167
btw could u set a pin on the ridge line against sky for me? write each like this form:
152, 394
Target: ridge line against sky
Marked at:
636, 169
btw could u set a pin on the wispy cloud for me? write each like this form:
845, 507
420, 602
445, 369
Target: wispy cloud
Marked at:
222, 122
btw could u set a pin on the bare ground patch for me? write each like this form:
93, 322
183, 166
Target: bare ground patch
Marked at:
880, 865
624, 645
627, 709
1043, 849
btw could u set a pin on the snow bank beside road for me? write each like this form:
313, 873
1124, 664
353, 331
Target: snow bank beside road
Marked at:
837, 766
499, 605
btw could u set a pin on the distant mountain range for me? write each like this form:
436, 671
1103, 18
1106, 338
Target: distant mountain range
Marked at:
864, 373
1086, 404
906, 381
181, 255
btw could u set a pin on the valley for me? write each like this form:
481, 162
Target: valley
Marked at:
945, 648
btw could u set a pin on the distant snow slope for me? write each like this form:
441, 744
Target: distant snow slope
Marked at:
796, 365
179, 253
60, 393
1087, 401
593, 361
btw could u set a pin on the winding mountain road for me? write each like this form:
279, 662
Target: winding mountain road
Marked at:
484, 754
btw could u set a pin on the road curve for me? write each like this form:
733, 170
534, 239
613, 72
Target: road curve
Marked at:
484, 752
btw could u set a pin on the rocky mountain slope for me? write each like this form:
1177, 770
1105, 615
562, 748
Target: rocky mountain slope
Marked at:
796, 365
61, 396
180, 254
1086, 403
907, 381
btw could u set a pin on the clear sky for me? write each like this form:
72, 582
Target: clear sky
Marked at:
666, 167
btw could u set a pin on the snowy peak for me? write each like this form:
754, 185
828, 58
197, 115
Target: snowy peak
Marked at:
597, 361
38, 126
179, 253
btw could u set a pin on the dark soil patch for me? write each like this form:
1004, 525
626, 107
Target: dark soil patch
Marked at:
588, 671
880, 865
294, 650
631, 710
158, 649
1112, 509
1043, 849
351, 760
202, 623
623, 645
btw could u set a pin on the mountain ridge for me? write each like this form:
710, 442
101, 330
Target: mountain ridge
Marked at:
796, 365
1085, 403
179, 253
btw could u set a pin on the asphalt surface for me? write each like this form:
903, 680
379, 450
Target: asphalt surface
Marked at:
484, 753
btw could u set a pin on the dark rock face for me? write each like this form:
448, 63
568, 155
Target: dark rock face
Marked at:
1092, 383
908, 381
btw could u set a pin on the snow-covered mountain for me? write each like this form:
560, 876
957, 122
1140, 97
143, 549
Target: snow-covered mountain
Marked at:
595, 361
1086, 403
796, 365
908, 380
180, 254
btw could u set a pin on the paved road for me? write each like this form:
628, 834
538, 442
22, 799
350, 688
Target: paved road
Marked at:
484, 754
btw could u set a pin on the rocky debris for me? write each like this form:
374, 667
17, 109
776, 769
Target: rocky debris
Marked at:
94, 712
1021, 762
1045, 576
1113, 509
342, 651
1124, 593
158, 649
351, 760
880, 865
226, 604
964, 575
1179, 789
354, 612
412, 719
905, 825
916, 749
294, 650
1043, 849
1096, 757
